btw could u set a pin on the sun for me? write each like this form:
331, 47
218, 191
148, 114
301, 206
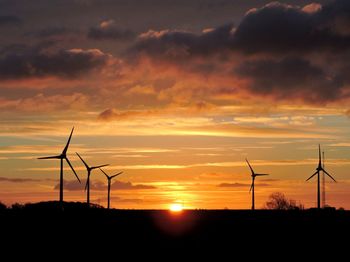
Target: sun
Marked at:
176, 207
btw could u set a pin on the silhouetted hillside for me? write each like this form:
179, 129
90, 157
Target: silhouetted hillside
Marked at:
190, 230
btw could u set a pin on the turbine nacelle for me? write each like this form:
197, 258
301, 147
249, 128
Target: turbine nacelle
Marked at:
319, 167
89, 168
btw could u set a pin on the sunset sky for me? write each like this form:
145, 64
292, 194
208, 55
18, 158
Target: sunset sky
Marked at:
176, 94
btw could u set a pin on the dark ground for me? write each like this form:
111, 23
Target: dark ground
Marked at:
81, 230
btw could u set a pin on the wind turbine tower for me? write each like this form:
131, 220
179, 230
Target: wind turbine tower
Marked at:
61, 157
318, 169
252, 187
323, 184
87, 185
109, 178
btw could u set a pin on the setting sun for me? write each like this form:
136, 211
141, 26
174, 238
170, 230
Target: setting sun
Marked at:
176, 207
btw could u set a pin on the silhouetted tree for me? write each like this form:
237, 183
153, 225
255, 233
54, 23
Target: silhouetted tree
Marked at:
278, 201
17, 206
2, 207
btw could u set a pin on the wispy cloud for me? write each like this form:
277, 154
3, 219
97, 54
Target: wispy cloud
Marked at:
23, 180
341, 144
288, 162
242, 185
233, 185
73, 185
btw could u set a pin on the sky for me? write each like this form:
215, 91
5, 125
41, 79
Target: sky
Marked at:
176, 94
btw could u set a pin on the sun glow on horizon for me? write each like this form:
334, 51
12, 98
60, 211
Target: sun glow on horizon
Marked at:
176, 207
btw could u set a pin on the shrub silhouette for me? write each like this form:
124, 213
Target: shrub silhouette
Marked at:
278, 201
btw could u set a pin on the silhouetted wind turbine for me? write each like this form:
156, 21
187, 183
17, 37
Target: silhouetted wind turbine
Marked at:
253, 180
109, 178
62, 156
89, 169
318, 169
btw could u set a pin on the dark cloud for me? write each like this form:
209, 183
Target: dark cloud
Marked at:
19, 180
54, 31
74, 185
290, 78
9, 20
274, 28
281, 28
71, 185
285, 52
107, 30
25, 62
181, 44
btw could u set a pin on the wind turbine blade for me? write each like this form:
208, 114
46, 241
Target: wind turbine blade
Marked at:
251, 169
105, 173
319, 155
72, 169
67, 145
262, 174
50, 157
94, 167
251, 187
86, 165
328, 174
116, 174
311, 176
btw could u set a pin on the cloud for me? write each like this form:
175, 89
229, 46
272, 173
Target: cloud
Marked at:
25, 62
233, 185
128, 186
113, 114
193, 108
312, 8
19, 180
291, 77
53, 31
282, 52
74, 185
42, 103
127, 200
270, 180
9, 20
273, 28
108, 30
282, 28
241, 185
176, 44
347, 112
71, 185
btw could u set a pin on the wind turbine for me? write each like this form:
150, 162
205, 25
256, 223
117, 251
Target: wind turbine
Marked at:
62, 156
253, 180
318, 169
109, 178
89, 169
